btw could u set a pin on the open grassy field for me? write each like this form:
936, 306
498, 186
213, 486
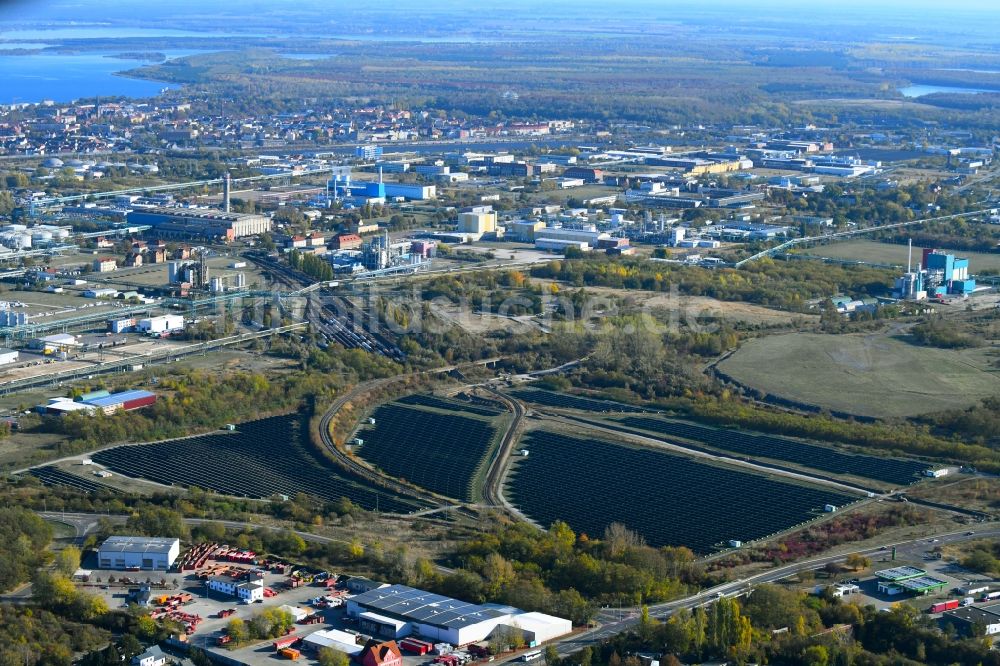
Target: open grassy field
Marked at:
869, 375
889, 253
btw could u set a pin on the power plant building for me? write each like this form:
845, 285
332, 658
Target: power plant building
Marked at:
201, 223
939, 274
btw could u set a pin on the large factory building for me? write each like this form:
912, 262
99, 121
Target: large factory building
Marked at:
129, 552
398, 610
200, 223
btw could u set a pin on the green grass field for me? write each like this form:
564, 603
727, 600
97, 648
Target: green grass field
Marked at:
889, 253
868, 375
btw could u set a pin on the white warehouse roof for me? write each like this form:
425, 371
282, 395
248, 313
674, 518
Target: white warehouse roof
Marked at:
333, 638
132, 544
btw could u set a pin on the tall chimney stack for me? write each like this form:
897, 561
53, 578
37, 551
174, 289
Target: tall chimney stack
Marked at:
226, 187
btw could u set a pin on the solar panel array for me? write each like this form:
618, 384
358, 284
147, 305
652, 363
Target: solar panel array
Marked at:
425, 607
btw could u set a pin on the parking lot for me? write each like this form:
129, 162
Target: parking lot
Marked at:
115, 586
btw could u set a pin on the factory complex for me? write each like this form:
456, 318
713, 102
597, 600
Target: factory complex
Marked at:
397, 611
938, 274
195, 222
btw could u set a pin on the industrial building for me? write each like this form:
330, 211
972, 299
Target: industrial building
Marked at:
559, 238
159, 325
102, 401
346, 242
124, 401
938, 274
130, 552
200, 223
905, 579
524, 230
332, 638
967, 619
478, 223
8, 356
247, 591
52, 344
398, 610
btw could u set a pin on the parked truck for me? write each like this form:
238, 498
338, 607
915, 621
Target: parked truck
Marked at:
944, 606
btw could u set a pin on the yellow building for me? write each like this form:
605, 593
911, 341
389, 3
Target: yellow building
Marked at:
477, 223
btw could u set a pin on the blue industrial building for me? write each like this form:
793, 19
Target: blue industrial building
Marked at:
938, 274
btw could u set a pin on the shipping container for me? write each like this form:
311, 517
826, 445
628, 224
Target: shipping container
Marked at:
944, 606
415, 646
290, 653
284, 642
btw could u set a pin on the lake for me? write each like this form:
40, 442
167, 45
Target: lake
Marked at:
920, 90
64, 78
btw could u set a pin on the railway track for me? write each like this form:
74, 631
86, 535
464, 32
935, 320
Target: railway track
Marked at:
334, 318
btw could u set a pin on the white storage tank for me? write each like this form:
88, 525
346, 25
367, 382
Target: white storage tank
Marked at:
22, 241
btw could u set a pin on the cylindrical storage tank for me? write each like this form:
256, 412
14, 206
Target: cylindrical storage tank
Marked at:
22, 241
216, 285
172, 268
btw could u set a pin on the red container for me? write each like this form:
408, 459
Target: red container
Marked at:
138, 403
285, 641
944, 606
414, 646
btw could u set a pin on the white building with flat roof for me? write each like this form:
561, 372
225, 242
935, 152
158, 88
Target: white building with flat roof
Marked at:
130, 552
247, 591
332, 638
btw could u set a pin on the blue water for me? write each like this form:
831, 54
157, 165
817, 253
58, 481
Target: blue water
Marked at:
105, 32
920, 90
64, 78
